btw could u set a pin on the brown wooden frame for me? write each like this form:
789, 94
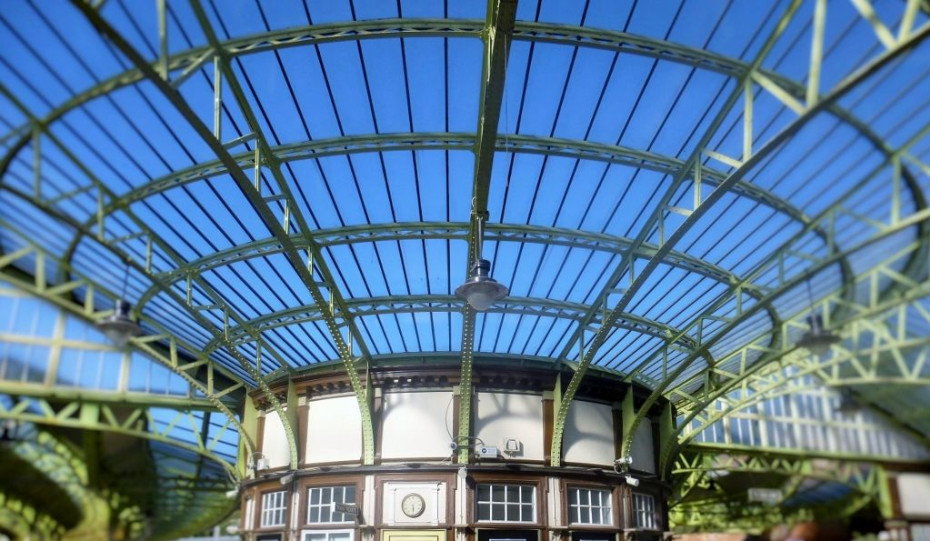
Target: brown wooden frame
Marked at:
615, 500
319, 481
447, 478
542, 497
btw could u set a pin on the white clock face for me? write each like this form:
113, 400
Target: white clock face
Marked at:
412, 505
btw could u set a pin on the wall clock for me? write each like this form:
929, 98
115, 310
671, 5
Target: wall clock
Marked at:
413, 505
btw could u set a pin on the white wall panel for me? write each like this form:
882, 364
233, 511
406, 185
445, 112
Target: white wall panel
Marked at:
641, 451
416, 425
914, 491
334, 430
589, 434
501, 416
274, 441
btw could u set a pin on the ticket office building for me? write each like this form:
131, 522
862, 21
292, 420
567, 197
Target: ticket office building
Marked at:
417, 491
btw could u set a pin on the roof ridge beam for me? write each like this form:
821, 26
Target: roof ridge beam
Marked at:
497, 34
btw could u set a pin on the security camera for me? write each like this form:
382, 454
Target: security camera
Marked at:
454, 446
624, 461
632, 481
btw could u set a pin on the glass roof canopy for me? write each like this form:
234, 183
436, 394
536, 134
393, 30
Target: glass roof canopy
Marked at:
670, 186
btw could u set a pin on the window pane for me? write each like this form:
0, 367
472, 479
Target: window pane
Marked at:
497, 512
513, 493
484, 511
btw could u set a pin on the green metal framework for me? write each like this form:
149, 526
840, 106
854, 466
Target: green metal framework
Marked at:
704, 506
726, 368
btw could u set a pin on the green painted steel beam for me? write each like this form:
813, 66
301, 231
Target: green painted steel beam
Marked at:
136, 422
76, 394
164, 347
332, 308
571, 238
496, 34
771, 353
883, 362
184, 63
410, 304
795, 454
841, 89
40, 285
655, 220
394, 142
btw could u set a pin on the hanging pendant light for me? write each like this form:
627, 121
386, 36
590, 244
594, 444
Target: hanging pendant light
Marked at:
480, 291
849, 405
118, 326
817, 339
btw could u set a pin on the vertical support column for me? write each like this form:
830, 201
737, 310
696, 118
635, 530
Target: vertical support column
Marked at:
250, 426
462, 399
553, 456
628, 414
377, 412
668, 443
292, 414
617, 413
548, 398
303, 415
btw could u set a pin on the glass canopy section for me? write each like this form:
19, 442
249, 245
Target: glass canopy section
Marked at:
670, 191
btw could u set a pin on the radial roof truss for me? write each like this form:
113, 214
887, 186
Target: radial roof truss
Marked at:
720, 348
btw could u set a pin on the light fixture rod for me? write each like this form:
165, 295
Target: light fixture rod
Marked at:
479, 237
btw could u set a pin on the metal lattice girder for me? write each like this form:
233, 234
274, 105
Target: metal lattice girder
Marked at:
24, 521
496, 34
692, 470
654, 220
751, 157
571, 238
898, 222
774, 351
68, 285
881, 318
331, 308
61, 465
190, 61
136, 421
213, 388
438, 303
700, 461
878, 321
393, 142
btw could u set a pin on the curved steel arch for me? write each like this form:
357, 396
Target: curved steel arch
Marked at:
190, 60
170, 358
94, 416
456, 231
818, 105
448, 303
385, 142
194, 311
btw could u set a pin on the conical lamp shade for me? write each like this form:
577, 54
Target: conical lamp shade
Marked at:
480, 291
118, 326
